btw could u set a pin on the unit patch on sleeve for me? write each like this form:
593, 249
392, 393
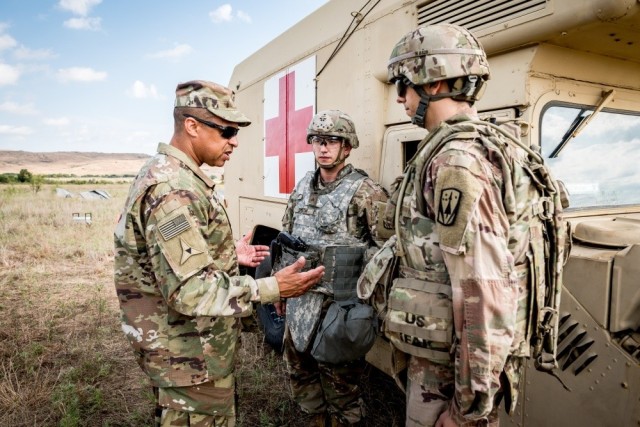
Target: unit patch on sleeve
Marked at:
187, 251
457, 192
448, 207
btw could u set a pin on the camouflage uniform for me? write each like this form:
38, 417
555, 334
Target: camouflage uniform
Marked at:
473, 234
463, 214
176, 276
322, 387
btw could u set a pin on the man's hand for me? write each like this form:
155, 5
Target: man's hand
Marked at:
250, 255
281, 307
293, 283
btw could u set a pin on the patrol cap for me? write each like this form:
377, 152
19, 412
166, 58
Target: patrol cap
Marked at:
217, 99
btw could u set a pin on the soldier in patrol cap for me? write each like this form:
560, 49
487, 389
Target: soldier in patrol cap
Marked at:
176, 265
463, 238
333, 210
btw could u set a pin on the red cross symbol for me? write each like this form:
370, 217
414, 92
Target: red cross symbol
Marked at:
286, 134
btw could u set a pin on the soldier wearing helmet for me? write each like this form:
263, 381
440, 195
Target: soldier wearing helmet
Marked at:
462, 212
332, 126
439, 53
333, 210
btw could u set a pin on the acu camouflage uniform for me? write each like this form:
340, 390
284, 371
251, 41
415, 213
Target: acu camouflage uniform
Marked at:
320, 387
176, 276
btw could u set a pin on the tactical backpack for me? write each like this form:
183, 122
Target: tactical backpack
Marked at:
553, 242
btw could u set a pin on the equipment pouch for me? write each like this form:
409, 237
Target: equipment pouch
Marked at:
346, 334
384, 227
419, 320
375, 280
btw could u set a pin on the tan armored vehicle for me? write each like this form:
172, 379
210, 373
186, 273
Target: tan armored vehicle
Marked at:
567, 71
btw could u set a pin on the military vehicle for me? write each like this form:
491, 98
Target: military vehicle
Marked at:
568, 72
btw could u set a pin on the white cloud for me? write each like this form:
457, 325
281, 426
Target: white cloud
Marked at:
142, 91
13, 108
83, 23
58, 122
3, 26
222, 14
81, 74
79, 7
8, 74
24, 53
243, 16
177, 52
7, 42
15, 130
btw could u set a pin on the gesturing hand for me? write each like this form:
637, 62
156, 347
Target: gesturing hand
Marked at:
293, 283
250, 255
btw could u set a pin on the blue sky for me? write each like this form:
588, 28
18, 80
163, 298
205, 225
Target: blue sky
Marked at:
100, 75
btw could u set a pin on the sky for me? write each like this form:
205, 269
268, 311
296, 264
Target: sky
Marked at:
100, 75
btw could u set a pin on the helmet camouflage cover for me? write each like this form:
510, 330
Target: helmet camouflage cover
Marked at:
333, 123
437, 52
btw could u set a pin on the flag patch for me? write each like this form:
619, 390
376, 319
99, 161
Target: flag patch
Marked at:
172, 228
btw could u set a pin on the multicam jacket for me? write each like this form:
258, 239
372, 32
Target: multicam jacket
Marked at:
176, 274
473, 224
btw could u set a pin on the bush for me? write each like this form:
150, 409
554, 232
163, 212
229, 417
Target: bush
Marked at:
25, 176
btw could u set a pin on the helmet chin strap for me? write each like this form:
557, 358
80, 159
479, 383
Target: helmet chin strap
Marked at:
421, 112
469, 89
338, 160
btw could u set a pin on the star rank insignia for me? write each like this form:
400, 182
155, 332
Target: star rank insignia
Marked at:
187, 251
449, 204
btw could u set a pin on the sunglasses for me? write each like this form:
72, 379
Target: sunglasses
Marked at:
401, 86
329, 141
227, 132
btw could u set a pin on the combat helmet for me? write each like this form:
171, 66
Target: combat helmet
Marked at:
333, 123
440, 52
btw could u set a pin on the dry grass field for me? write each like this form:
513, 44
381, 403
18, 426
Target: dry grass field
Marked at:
63, 358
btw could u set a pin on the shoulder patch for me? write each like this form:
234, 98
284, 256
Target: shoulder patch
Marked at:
456, 194
172, 228
182, 244
448, 206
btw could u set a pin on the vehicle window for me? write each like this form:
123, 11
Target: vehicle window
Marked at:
599, 166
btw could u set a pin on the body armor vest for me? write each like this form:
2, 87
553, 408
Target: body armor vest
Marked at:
320, 220
419, 318
538, 238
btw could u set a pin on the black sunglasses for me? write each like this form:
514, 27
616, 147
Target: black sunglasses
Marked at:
227, 132
401, 86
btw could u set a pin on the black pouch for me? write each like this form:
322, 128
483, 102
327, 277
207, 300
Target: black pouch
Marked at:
346, 333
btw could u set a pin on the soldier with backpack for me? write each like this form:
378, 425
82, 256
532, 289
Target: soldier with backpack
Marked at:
469, 294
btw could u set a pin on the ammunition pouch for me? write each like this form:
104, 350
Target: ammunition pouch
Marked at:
419, 320
342, 266
376, 279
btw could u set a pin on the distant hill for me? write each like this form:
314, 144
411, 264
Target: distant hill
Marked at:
72, 162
